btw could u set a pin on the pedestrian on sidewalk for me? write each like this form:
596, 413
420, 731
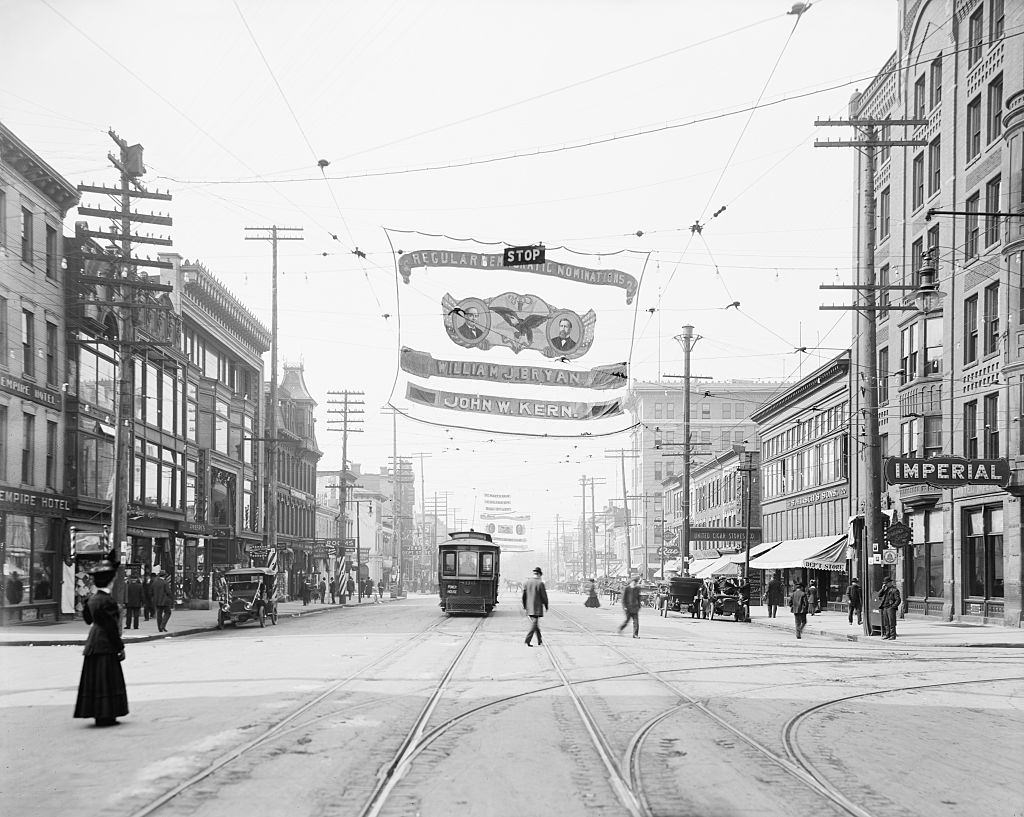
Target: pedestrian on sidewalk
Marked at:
812, 598
334, 590
350, 585
853, 600
306, 590
148, 610
132, 603
535, 602
631, 605
102, 694
773, 595
380, 589
798, 605
889, 600
163, 600
323, 590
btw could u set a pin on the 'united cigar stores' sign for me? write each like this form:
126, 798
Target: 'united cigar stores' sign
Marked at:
946, 472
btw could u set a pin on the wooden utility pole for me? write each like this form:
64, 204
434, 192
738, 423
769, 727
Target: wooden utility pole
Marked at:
584, 564
621, 454
871, 481
271, 493
351, 403
426, 555
128, 285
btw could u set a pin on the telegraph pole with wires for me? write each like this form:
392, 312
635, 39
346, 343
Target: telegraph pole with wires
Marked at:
426, 554
273, 234
621, 454
125, 286
593, 522
687, 340
351, 407
870, 487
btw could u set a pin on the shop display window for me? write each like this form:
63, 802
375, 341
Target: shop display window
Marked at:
983, 552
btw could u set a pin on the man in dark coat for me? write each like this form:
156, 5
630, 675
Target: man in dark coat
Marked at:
798, 606
854, 601
773, 595
148, 610
163, 600
889, 601
631, 604
535, 602
132, 603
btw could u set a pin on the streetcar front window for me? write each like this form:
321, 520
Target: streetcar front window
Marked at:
449, 563
468, 563
486, 564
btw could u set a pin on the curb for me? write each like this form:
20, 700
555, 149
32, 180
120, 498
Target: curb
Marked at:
142, 639
870, 640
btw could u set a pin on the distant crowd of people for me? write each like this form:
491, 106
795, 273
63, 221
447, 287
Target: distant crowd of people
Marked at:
314, 589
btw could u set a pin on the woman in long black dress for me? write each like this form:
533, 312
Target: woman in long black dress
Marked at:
101, 691
592, 599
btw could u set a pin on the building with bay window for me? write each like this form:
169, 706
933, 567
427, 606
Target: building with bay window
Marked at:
951, 376
33, 503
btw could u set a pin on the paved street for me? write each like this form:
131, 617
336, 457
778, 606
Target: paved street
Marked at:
394, 709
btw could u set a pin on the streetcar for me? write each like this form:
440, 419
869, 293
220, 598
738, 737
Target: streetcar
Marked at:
468, 567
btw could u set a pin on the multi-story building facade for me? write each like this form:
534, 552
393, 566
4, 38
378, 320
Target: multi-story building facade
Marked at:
805, 443
724, 493
33, 503
195, 370
719, 418
297, 457
951, 379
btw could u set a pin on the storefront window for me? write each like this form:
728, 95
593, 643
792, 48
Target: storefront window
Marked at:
192, 416
17, 559
983, 552
220, 428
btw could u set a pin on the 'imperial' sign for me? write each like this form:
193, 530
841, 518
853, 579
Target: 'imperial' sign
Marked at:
946, 472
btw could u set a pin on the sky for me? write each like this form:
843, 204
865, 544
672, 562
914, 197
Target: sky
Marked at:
598, 125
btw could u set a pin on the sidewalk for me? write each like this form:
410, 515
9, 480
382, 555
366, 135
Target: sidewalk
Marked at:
182, 622
910, 632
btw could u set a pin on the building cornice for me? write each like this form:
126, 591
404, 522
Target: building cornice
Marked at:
834, 370
205, 293
36, 172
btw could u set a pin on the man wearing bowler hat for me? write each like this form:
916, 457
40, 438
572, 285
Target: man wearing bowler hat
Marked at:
889, 600
535, 602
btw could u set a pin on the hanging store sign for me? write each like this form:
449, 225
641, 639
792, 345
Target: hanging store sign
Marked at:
946, 472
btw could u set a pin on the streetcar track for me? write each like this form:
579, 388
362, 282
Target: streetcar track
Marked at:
622, 788
796, 765
791, 728
389, 777
274, 729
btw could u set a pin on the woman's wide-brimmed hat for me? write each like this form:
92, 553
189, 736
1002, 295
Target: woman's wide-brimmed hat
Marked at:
103, 566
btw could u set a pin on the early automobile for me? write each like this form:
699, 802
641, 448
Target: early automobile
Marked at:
247, 594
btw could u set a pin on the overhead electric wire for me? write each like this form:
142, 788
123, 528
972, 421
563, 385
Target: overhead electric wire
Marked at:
558, 90
746, 124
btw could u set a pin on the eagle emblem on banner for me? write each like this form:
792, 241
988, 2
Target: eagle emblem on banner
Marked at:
518, 322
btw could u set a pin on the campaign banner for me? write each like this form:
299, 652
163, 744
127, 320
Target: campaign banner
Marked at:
425, 365
496, 262
513, 407
548, 344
